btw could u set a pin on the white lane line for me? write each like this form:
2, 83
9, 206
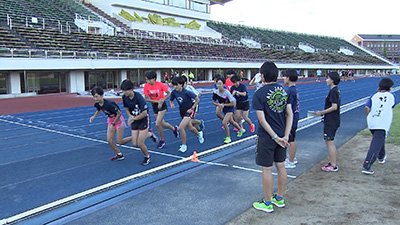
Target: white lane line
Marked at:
85, 138
241, 168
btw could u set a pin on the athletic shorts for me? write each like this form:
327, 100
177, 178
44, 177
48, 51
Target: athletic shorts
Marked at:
228, 109
142, 124
245, 106
292, 135
330, 132
156, 109
118, 124
268, 152
183, 112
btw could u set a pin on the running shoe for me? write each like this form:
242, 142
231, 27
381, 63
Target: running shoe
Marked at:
382, 161
252, 128
161, 144
182, 148
117, 157
235, 129
146, 161
295, 161
227, 140
201, 137
289, 165
278, 203
153, 136
223, 128
241, 132
202, 125
367, 171
330, 168
176, 131
263, 207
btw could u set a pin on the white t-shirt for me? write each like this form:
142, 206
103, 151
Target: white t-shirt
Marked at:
381, 110
192, 89
257, 81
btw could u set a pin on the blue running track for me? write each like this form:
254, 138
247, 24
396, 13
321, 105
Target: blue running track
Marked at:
51, 155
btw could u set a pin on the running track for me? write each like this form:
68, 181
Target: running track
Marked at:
50, 155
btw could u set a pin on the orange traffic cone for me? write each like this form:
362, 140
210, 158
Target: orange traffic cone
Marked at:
194, 157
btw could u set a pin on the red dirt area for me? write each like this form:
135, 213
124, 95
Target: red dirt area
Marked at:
46, 102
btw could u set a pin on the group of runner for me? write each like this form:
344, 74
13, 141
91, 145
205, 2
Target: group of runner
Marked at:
277, 111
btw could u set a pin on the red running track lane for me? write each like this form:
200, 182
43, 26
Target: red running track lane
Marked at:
45, 102
63, 101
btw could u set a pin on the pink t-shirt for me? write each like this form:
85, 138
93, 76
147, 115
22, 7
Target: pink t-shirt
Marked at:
156, 91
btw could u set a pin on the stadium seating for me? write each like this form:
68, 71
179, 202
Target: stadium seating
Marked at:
280, 38
10, 40
52, 12
279, 46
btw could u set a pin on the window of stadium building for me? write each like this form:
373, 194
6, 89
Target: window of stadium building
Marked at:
199, 6
137, 77
44, 82
3, 83
178, 3
200, 74
103, 79
158, 1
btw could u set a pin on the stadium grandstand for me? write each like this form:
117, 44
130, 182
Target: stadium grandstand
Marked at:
68, 46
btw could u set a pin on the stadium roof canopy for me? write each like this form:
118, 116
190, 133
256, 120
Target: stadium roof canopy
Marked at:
221, 2
379, 36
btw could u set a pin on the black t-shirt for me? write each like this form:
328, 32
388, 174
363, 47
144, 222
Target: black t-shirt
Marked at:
272, 99
332, 118
110, 108
294, 101
136, 105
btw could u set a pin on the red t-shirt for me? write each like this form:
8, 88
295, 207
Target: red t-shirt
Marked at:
156, 91
228, 83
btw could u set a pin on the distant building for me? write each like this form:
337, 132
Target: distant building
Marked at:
379, 43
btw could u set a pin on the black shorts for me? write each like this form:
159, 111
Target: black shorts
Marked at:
292, 135
228, 109
156, 109
330, 132
183, 112
142, 124
245, 106
268, 151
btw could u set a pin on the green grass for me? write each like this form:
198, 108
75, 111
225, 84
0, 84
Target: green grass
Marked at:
394, 133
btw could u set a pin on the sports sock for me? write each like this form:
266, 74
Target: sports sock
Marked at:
278, 198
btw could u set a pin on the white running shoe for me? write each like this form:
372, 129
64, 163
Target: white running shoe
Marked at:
182, 148
290, 165
382, 161
201, 137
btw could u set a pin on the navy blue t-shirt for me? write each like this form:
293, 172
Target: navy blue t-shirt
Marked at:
294, 101
272, 99
241, 88
136, 105
110, 108
184, 98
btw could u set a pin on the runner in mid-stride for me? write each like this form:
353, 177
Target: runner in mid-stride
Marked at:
154, 93
115, 119
136, 109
